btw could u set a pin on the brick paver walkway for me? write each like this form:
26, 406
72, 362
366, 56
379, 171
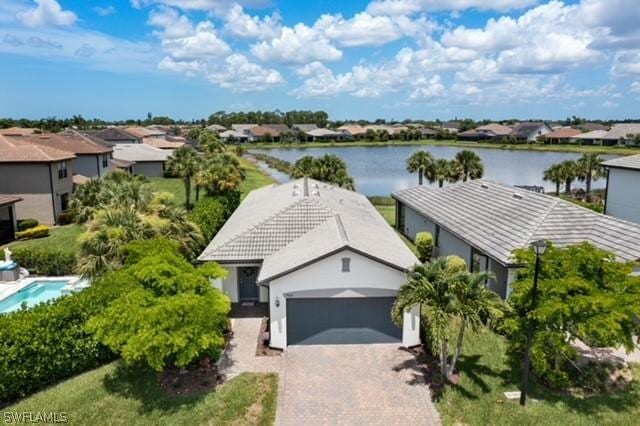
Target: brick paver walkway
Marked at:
337, 385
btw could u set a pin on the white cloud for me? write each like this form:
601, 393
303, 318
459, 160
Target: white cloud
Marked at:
405, 7
635, 87
104, 10
47, 13
298, 45
239, 75
626, 63
217, 6
609, 104
243, 25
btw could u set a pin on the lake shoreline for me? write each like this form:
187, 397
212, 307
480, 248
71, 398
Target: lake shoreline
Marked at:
605, 150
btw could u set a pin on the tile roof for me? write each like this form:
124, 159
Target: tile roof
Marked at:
233, 134
622, 131
162, 143
325, 133
71, 142
281, 128
305, 127
526, 129
563, 133
496, 219
143, 132
285, 228
259, 131
6, 199
496, 128
594, 134
13, 150
627, 162
353, 129
140, 152
114, 134
18, 131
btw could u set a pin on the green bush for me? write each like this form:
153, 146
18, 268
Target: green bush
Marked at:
45, 261
49, 343
66, 217
39, 231
27, 224
424, 245
211, 212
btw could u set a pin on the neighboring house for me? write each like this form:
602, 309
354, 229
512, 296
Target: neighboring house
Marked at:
622, 134
327, 135
145, 132
483, 222
590, 127
468, 135
233, 136
493, 131
243, 128
92, 159
115, 135
304, 127
593, 137
280, 128
323, 258
451, 126
19, 131
261, 132
143, 159
562, 135
155, 137
173, 143
216, 128
8, 218
530, 131
428, 133
622, 197
40, 175
356, 131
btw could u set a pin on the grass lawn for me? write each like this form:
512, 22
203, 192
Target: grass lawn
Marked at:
254, 177
173, 185
61, 238
487, 372
462, 144
115, 394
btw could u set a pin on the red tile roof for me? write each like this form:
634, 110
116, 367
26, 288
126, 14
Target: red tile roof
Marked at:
70, 142
15, 150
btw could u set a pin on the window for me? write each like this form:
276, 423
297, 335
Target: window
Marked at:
64, 201
105, 160
63, 172
346, 264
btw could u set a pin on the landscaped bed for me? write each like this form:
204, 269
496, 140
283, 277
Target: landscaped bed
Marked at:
119, 394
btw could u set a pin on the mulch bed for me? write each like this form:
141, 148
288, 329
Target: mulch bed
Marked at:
262, 348
196, 378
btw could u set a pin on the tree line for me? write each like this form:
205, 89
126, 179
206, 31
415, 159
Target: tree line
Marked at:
585, 169
464, 166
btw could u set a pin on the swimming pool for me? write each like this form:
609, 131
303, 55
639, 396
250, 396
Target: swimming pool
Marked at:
37, 291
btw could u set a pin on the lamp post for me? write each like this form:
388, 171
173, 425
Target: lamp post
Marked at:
539, 246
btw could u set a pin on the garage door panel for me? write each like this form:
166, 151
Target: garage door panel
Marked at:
341, 321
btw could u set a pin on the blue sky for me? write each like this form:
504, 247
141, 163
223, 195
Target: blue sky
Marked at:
393, 59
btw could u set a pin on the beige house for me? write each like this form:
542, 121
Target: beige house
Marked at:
41, 175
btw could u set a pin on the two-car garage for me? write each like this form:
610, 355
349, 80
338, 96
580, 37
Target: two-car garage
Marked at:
343, 320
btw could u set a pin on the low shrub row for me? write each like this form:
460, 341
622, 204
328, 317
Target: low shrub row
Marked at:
48, 343
38, 231
45, 261
211, 212
25, 224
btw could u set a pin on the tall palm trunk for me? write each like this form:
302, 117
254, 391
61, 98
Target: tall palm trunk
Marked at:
458, 348
187, 191
443, 359
440, 182
567, 186
588, 185
420, 176
557, 188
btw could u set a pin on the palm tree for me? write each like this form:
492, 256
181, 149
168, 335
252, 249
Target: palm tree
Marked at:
441, 171
184, 163
421, 162
554, 174
471, 164
220, 173
568, 170
590, 168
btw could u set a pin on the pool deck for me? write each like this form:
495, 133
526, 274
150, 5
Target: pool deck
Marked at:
7, 288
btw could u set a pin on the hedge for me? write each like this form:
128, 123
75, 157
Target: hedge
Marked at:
211, 212
39, 231
49, 343
23, 225
45, 261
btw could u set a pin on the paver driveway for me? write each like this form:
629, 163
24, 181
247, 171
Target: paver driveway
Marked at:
352, 384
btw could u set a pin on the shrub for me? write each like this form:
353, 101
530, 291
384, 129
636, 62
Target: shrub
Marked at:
45, 261
66, 217
424, 245
49, 343
27, 224
209, 214
456, 263
39, 231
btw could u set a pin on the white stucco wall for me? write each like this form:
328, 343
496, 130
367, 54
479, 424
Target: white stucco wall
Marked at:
324, 278
229, 285
623, 194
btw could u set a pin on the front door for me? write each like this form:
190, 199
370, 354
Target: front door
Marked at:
247, 287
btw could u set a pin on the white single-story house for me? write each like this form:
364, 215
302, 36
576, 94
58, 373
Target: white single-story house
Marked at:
622, 196
483, 222
323, 258
143, 159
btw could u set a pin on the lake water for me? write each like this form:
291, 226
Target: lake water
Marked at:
382, 170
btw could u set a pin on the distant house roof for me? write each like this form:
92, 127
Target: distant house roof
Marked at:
426, 131
243, 127
163, 143
282, 128
325, 133
216, 127
469, 133
114, 134
14, 150
589, 127
233, 134
563, 133
622, 131
594, 134
495, 128
290, 225
121, 164
627, 162
18, 131
497, 219
525, 130
6, 199
260, 131
353, 129
144, 132
70, 142
305, 127
451, 125
140, 153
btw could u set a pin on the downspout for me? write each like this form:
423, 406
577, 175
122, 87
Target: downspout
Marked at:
53, 195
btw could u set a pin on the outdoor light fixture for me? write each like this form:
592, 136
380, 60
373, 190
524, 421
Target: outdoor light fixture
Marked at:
539, 247
277, 302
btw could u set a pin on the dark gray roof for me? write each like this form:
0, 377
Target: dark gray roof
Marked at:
526, 129
289, 225
496, 219
628, 162
114, 134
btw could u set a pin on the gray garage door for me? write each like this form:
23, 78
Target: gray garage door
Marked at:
341, 321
